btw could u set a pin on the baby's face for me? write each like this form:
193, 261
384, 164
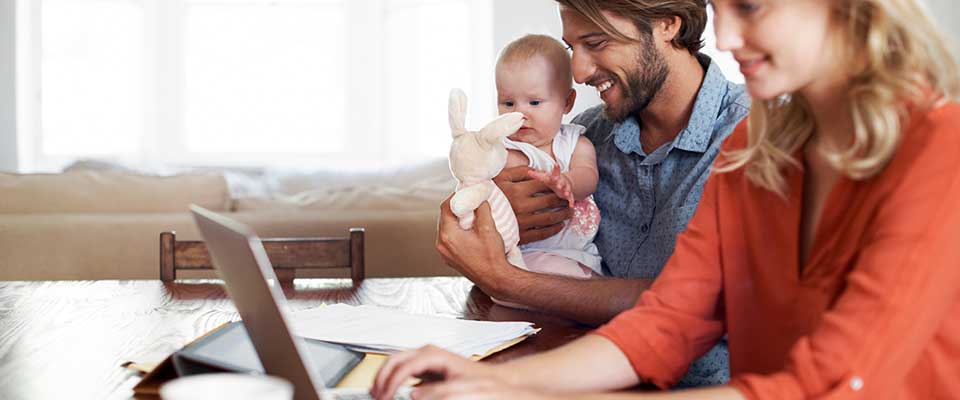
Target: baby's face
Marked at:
528, 87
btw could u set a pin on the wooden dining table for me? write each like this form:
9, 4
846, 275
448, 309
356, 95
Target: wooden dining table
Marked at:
71, 339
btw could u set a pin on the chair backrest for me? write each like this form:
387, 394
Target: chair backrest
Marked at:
285, 254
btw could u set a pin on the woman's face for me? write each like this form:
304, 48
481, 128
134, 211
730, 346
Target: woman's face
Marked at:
783, 46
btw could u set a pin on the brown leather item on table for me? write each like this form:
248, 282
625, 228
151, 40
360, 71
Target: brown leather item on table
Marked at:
285, 254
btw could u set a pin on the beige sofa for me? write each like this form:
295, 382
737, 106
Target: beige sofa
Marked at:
104, 224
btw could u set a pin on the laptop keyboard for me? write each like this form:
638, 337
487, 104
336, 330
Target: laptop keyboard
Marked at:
357, 394
364, 396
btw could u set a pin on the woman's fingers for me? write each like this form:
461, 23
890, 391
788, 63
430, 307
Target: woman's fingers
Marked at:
387, 370
427, 359
459, 389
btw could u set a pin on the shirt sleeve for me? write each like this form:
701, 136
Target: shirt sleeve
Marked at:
899, 295
677, 320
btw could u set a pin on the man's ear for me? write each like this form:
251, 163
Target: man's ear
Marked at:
668, 28
571, 98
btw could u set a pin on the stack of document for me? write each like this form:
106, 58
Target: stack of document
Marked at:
382, 330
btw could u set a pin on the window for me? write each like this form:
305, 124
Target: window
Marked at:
247, 82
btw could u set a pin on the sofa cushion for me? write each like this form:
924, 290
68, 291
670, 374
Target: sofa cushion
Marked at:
111, 192
428, 174
350, 198
127, 246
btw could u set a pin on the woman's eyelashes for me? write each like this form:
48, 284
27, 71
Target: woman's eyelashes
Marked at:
742, 7
746, 7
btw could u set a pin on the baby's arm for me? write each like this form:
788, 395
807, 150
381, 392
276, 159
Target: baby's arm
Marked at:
583, 169
516, 158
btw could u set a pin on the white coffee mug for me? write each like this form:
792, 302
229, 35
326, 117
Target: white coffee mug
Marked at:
223, 386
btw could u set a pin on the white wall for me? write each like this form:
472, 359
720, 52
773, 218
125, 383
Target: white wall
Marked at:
947, 15
8, 93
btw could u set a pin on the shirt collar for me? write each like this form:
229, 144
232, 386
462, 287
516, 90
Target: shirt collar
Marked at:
699, 130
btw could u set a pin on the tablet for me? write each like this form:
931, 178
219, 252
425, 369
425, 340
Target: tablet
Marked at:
230, 349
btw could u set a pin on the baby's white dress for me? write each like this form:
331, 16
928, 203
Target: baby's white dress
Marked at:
572, 251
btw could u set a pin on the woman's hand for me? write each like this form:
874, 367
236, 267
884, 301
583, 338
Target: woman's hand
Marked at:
474, 389
540, 212
428, 362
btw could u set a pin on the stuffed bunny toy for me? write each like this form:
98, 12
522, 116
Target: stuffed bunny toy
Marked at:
475, 158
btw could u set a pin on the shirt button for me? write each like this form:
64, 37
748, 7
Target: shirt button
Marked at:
856, 383
643, 228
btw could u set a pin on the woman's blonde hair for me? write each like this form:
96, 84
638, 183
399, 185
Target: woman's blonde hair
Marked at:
900, 63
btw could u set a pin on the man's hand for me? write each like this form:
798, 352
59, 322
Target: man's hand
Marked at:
540, 212
476, 253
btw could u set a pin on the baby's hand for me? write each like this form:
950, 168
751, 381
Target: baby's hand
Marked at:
559, 183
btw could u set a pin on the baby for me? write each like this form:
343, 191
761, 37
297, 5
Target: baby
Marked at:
534, 78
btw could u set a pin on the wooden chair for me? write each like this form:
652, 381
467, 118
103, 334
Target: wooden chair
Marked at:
286, 255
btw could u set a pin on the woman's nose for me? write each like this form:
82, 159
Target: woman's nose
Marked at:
727, 30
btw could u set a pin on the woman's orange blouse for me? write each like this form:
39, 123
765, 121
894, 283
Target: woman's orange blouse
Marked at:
873, 314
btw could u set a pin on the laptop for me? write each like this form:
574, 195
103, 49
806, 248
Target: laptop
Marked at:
242, 263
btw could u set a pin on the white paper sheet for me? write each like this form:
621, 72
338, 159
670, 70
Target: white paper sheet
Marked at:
383, 330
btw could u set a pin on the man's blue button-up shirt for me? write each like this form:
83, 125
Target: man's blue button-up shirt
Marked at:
645, 200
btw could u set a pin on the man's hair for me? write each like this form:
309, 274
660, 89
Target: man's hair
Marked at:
644, 13
531, 46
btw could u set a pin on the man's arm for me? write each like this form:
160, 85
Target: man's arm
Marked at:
589, 301
478, 254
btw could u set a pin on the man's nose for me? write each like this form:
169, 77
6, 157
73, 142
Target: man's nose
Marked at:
582, 65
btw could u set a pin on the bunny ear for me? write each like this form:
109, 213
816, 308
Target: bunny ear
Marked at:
503, 126
458, 112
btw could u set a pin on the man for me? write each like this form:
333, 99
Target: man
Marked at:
666, 110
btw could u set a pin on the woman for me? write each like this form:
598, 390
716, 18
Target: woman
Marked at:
825, 248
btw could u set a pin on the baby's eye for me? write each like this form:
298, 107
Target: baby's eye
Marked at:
535, 103
508, 103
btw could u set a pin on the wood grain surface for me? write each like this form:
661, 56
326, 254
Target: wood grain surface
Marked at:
69, 339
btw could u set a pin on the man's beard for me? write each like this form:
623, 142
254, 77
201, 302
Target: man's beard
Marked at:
644, 81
